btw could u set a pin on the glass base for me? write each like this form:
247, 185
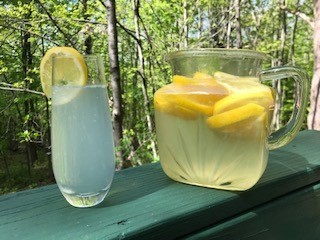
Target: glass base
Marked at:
85, 200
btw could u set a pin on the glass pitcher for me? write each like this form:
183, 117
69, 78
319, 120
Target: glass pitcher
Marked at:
213, 120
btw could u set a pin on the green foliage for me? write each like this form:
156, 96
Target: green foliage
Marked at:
18, 178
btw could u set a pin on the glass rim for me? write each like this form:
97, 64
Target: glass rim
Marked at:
221, 52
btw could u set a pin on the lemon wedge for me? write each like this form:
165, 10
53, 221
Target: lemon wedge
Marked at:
72, 71
194, 102
223, 75
237, 84
198, 79
263, 98
199, 98
162, 104
198, 94
203, 76
226, 76
235, 116
183, 80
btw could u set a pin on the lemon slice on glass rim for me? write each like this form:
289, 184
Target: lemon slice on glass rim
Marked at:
72, 71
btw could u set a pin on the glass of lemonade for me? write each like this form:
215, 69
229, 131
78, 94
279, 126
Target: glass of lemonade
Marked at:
213, 120
82, 136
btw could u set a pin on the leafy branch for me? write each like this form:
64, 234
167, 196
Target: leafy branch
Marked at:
55, 23
302, 15
11, 87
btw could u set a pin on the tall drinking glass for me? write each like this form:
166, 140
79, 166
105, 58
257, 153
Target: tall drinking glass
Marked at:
82, 138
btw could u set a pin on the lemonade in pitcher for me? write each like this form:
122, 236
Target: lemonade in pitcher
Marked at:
212, 129
212, 121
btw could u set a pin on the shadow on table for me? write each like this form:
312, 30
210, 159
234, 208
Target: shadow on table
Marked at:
134, 183
295, 217
284, 204
288, 166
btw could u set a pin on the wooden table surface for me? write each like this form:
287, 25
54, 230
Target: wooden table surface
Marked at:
144, 203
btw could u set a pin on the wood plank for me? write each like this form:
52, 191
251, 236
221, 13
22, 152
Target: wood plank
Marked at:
294, 216
143, 203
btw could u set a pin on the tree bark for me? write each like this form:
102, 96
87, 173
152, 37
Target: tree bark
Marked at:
200, 20
134, 110
136, 6
314, 114
238, 23
256, 17
26, 57
88, 41
229, 27
283, 35
280, 60
293, 36
117, 112
185, 24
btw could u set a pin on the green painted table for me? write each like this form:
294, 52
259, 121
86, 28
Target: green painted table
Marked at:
144, 204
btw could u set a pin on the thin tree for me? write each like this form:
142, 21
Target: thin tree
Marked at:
29, 109
88, 41
200, 20
117, 112
280, 33
238, 23
293, 35
314, 114
141, 71
185, 24
229, 27
256, 13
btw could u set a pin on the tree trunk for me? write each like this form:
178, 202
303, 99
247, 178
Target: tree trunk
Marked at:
229, 26
293, 35
117, 112
314, 114
200, 24
136, 6
48, 144
276, 121
6, 165
283, 35
217, 28
185, 24
88, 41
238, 24
26, 57
134, 109
256, 17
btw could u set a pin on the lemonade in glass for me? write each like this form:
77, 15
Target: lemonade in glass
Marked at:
82, 137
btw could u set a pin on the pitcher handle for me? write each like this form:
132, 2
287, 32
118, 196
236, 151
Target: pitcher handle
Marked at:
286, 134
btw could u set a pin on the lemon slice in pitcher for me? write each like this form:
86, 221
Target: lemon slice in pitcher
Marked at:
73, 72
264, 99
163, 105
235, 116
226, 77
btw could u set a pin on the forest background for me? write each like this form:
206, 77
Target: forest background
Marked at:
133, 37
